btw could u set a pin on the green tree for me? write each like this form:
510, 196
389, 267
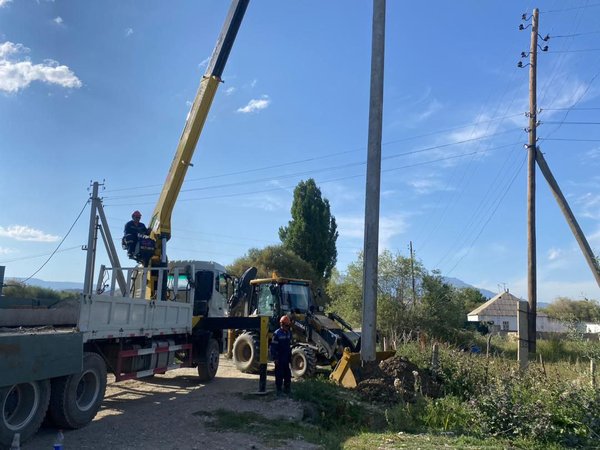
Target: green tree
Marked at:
471, 298
442, 312
17, 289
564, 308
312, 232
274, 258
395, 303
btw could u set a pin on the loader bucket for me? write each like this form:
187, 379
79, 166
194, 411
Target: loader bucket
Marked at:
349, 372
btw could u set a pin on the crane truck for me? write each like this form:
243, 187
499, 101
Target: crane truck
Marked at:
132, 322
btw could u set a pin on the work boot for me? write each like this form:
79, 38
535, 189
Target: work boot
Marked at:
287, 391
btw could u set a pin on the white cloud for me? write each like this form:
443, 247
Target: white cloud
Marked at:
554, 253
6, 251
428, 185
389, 226
19, 74
590, 205
25, 233
128, 32
204, 62
230, 90
255, 105
4, 3
58, 20
253, 83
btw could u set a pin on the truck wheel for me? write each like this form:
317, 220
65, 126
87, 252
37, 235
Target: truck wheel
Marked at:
76, 398
304, 362
246, 353
22, 409
207, 368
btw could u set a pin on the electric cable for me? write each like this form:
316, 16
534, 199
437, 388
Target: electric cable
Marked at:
326, 169
261, 191
571, 8
59, 244
39, 255
491, 216
316, 158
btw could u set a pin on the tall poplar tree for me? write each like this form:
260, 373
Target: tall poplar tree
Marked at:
312, 232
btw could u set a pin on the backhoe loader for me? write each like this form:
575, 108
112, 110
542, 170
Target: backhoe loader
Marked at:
319, 338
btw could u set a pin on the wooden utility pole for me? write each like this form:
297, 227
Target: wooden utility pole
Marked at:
532, 150
412, 272
369, 331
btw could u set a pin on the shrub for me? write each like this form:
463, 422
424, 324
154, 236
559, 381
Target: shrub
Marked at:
448, 414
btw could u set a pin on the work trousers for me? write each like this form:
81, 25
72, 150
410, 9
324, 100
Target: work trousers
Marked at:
283, 376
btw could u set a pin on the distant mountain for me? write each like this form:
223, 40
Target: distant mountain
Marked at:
461, 284
56, 285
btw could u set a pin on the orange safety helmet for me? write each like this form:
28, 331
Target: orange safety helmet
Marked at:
285, 320
136, 213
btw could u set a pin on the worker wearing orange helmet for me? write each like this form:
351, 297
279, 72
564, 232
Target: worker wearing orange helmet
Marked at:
281, 353
133, 230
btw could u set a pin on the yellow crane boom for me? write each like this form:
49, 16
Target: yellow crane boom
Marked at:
160, 224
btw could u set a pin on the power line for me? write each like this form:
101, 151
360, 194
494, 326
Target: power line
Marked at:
573, 35
59, 244
23, 258
570, 109
571, 8
262, 191
316, 158
570, 140
569, 123
578, 50
326, 169
490, 217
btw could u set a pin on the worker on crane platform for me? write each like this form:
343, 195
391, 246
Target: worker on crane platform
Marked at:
134, 230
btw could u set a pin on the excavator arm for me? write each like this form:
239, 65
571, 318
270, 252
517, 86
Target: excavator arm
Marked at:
160, 224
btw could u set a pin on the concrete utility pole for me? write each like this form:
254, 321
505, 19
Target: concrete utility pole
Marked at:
531, 248
412, 272
522, 325
571, 221
369, 331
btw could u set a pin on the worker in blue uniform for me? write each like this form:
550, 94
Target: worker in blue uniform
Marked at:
281, 354
133, 230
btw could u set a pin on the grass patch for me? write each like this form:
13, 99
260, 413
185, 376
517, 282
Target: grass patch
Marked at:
272, 431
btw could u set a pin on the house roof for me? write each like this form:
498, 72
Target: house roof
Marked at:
503, 304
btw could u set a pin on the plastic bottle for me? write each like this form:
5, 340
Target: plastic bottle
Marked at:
16, 442
59, 441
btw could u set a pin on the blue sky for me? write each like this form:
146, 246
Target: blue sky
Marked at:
101, 90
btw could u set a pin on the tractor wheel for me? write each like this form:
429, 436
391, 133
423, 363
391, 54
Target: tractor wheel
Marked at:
207, 368
22, 409
76, 398
246, 352
304, 362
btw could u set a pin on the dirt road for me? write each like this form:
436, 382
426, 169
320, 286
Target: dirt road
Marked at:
166, 412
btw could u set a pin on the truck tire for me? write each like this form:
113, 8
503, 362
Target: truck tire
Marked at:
207, 368
76, 398
22, 409
304, 362
246, 352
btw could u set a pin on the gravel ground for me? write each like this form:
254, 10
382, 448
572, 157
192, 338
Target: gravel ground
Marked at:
166, 412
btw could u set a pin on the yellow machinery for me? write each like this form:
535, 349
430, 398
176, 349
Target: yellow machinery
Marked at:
348, 371
160, 223
319, 338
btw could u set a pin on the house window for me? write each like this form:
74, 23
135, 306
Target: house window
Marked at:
505, 325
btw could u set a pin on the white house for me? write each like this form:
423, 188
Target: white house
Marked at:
501, 312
